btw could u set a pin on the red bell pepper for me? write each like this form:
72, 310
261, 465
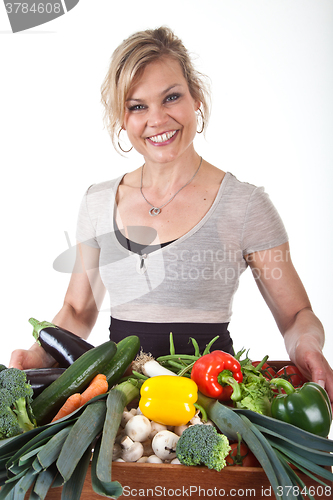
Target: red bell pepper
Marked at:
217, 376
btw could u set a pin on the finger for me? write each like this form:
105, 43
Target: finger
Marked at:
16, 360
15, 364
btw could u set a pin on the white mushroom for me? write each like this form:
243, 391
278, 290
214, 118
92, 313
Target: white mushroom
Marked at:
196, 420
132, 450
154, 459
147, 448
175, 461
155, 428
164, 445
142, 460
138, 428
116, 452
120, 435
179, 429
126, 416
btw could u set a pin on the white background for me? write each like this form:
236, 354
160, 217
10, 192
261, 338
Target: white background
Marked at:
271, 67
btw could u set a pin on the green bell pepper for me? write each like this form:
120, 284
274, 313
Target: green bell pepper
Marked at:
307, 407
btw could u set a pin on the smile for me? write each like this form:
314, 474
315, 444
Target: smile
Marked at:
158, 139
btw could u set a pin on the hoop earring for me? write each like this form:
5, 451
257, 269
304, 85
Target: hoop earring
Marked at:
202, 121
119, 146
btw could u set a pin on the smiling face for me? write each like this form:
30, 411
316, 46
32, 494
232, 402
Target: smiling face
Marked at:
160, 115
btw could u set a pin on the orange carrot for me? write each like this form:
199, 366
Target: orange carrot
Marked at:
71, 404
97, 386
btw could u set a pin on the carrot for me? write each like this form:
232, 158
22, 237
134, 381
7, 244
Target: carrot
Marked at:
71, 404
97, 386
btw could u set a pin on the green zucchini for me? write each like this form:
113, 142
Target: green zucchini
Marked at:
127, 349
74, 379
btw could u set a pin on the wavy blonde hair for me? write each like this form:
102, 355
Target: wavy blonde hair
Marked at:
129, 60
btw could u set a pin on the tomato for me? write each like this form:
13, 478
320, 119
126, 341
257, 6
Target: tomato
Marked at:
292, 374
267, 370
244, 457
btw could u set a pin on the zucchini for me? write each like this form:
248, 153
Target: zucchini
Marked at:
127, 349
74, 379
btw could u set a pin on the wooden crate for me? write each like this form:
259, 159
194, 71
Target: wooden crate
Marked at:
178, 481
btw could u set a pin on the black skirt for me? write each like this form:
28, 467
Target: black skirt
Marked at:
155, 337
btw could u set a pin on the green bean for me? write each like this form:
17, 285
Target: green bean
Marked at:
138, 375
172, 345
176, 365
169, 357
208, 346
186, 369
196, 347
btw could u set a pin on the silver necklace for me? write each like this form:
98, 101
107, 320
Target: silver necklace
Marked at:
153, 211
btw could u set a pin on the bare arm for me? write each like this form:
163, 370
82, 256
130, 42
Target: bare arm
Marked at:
286, 297
79, 312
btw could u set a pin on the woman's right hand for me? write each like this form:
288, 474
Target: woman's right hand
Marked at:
35, 357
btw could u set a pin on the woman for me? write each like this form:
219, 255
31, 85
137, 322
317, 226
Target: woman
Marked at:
169, 240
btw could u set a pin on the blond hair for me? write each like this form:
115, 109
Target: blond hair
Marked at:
129, 60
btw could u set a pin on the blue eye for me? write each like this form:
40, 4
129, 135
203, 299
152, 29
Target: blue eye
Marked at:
136, 107
172, 97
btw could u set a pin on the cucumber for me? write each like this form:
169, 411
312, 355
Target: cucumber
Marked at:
127, 349
74, 379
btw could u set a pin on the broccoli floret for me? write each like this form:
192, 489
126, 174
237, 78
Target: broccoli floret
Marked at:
9, 425
15, 403
202, 445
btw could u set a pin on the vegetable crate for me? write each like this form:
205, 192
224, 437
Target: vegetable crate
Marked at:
142, 480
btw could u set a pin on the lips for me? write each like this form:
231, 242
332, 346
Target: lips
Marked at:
164, 138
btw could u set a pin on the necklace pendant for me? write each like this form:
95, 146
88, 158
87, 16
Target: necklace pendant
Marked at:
154, 211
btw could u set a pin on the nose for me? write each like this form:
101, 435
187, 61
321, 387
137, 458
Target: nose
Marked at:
157, 116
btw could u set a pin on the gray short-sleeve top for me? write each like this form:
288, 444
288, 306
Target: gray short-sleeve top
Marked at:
194, 278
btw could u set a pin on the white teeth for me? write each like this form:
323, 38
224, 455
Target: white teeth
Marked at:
164, 137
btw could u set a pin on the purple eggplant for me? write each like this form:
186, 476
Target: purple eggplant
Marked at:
64, 346
40, 378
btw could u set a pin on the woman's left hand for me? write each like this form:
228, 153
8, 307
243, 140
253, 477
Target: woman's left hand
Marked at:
287, 299
314, 366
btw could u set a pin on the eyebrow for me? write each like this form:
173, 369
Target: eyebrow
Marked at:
162, 93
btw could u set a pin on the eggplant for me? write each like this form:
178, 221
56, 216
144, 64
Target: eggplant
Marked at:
40, 378
64, 346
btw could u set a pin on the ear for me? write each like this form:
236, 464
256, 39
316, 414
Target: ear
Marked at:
197, 105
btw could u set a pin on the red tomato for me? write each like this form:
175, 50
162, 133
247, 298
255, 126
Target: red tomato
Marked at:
293, 375
267, 370
245, 457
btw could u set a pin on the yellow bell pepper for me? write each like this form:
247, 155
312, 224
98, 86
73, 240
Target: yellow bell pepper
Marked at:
168, 400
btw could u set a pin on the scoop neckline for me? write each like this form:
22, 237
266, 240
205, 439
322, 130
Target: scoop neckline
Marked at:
186, 235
